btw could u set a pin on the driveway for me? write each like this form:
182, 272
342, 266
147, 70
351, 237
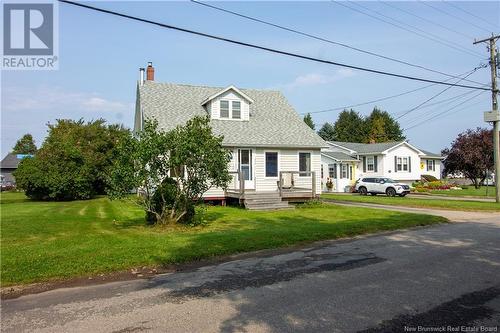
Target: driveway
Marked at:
447, 274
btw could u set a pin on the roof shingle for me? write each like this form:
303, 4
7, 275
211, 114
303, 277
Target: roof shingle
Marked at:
273, 122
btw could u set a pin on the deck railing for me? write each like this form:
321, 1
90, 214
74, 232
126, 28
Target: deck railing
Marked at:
292, 184
237, 184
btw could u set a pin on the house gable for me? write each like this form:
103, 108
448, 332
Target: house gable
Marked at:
229, 104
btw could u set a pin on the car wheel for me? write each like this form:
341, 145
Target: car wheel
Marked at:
390, 192
362, 190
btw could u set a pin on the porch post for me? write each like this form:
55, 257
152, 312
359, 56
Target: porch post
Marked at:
313, 179
281, 184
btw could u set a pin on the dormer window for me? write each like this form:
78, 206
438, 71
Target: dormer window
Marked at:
224, 109
228, 104
236, 109
230, 109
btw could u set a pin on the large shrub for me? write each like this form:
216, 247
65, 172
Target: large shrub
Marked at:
171, 170
73, 163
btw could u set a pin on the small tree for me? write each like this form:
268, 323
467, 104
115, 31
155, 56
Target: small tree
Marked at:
470, 154
327, 132
171, 169
25, 145
309, 121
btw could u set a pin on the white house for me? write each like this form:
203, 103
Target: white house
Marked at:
275, 156
343, 163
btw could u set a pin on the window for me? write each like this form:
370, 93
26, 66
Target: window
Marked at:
405, 163
224, 109
431, 165
370, 163
304, 164
271, 164
343, 172
236, 109
332, 171
399, 164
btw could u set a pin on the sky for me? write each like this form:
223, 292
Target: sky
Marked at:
100, 55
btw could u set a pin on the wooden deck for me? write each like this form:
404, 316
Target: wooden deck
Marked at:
277, 199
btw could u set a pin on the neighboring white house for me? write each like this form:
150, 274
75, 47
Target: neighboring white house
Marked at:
344, 162
267, 138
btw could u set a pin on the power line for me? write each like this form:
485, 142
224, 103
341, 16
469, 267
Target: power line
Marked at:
382, 98
423, 34
254, 46
425, 19
419, 117
436, 95
454, 16
442, 113
305, 34
496, 26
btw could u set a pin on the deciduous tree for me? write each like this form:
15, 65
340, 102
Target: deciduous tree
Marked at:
172, 170
471, 154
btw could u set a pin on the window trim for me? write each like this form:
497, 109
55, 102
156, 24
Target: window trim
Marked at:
372, 157
399, 163
310, 163
232, 108
277, 164
405, 164
230, 102
432, 165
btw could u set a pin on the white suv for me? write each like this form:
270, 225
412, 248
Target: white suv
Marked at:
377, 185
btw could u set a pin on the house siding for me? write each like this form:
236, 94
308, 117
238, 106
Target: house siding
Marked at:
214, 106
288, 160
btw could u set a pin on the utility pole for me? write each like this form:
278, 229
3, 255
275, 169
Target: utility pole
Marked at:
494, 114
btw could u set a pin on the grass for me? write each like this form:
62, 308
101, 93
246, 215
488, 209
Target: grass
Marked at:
462, 205
469, 192
42, 241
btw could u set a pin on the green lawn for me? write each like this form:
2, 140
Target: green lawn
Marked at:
41, 241
469, 192
417, 202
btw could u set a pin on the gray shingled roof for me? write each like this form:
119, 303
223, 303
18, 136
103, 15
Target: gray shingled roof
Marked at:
367, 148
431, 155
339, 156
273, 122
11, 160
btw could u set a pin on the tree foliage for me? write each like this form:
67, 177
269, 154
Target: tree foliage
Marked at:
171, 169
349, 127
73, 162
327, 132
309, 121
25, 145
382, 127
471, 154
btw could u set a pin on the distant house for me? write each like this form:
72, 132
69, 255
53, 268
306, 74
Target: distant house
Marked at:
345, 162
275, 156
9, 165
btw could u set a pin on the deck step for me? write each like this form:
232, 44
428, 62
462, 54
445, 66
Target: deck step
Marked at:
270, 206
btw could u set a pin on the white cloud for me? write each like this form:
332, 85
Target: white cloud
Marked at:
314, 79
56, 98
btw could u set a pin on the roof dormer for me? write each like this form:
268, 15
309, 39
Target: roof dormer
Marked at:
229, 104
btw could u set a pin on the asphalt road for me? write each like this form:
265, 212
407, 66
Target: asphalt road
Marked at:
443, 277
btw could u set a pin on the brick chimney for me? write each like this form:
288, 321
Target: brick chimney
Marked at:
150, 72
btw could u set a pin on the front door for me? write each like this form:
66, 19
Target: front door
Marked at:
245, 162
